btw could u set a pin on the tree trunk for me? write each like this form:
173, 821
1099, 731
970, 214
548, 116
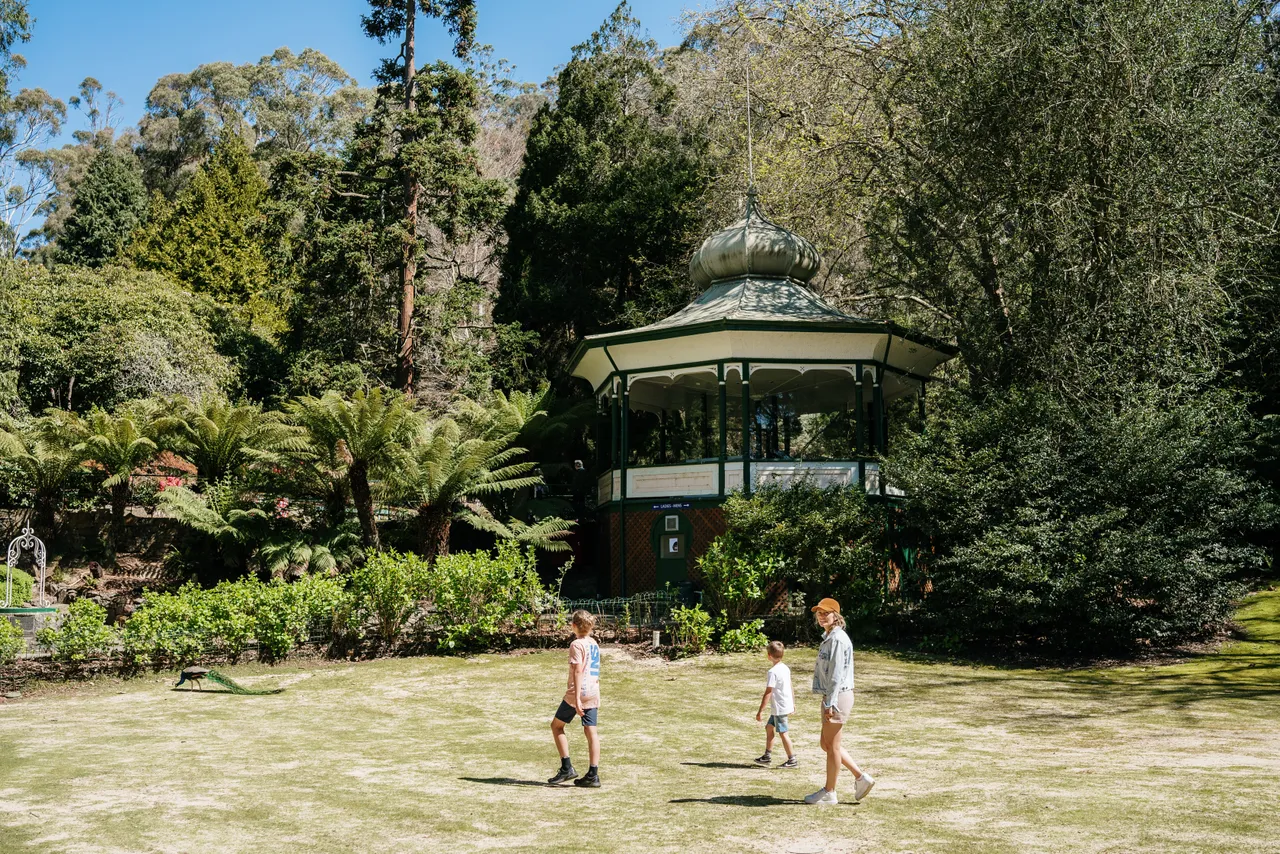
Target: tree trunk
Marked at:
434, 524
362, 496
46, 517
405, 376
335, 508
119, 500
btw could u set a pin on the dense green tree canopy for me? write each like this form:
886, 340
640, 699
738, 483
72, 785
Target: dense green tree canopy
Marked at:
609, 203
208, 238
109, 204
284, 102
84, 338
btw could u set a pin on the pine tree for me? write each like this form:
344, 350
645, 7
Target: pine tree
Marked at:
422, 137
207, 238
109, 204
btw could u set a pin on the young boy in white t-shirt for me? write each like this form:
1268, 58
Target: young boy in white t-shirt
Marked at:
777, 689
581, 698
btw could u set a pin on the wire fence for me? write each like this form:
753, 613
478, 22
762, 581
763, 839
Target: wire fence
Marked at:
643, 610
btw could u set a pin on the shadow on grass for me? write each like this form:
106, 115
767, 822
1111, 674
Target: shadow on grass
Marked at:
202, 691
740, 801
510, 781
751, 765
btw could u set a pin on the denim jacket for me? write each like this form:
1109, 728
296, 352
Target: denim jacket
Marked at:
833, 672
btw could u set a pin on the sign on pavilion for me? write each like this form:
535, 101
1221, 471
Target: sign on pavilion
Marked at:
757, 381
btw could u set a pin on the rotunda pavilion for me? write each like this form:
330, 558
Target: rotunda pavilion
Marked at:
757, 381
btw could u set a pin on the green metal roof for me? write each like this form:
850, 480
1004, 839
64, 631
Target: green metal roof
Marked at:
746, 299
754, 273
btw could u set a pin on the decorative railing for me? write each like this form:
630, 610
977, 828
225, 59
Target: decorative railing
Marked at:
702, 480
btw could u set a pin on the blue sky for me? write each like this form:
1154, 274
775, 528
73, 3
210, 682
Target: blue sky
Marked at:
129, 44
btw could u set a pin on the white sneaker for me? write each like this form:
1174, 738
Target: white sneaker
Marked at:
862, 786
822, 796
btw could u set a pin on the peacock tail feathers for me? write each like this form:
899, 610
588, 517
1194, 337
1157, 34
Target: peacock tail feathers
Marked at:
235, 687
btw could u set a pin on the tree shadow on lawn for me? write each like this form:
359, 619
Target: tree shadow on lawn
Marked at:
1247, 671
741, 801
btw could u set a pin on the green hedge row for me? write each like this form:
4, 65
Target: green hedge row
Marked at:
471, 598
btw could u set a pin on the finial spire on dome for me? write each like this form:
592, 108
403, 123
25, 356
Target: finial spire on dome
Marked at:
751, 169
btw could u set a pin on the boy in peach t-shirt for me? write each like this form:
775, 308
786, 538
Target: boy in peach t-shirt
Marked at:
581, 698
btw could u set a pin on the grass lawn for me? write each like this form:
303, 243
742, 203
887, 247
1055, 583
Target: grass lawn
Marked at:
447, 754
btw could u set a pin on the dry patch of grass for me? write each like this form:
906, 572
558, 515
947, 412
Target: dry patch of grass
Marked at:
435, 754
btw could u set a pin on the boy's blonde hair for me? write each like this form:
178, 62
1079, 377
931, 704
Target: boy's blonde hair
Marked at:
837, 619
583, 620
775, 649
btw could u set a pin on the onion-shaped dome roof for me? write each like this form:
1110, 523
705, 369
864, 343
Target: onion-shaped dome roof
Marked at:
756, 247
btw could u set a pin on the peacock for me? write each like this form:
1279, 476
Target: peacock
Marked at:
195, 674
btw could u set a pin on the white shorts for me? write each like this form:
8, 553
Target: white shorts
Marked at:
841, 708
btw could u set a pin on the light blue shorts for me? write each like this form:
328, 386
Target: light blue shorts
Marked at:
778, 722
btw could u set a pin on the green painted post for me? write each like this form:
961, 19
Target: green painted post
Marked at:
724, 424
622, 509
878, 392
859, 417
746, 428
615, 437
859, 421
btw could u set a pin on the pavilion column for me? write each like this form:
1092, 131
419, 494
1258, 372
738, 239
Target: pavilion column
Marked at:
724, 424
615, 433
859, 422
878, 397
622, 506
881, 443
746, 428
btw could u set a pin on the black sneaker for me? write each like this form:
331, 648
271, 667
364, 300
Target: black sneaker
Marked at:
590, 781
764, 760
790, 763
564, 775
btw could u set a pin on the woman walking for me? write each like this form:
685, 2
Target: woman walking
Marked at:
833, 679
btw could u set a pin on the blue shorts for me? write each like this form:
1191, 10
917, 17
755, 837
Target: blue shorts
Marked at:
566, 712
778, 722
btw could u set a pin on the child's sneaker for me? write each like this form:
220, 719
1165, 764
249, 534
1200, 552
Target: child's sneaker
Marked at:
822, 796
862, 786
766, 759
790, 763
589, 781
564, 775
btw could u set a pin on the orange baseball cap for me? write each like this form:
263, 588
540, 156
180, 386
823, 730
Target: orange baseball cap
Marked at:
827, 604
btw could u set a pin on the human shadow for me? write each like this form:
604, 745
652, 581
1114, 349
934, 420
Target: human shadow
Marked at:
509, 781
724, 764
740, 801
